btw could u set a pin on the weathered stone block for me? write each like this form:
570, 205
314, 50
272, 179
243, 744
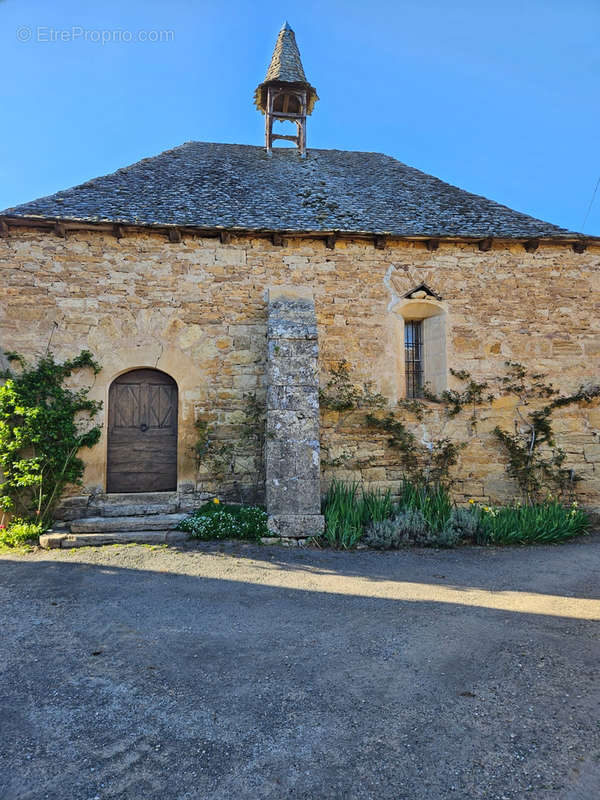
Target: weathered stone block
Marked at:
298, 425
231, 256
592, 452
71, 508
294, 458
293, 495
294, 371
296, 526
286, 348
51, 540
281, 328
299, 398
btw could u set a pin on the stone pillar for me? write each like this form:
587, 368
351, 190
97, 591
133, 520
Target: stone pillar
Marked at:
293, 479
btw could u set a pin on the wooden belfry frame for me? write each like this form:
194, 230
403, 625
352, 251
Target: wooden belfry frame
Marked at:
286, 93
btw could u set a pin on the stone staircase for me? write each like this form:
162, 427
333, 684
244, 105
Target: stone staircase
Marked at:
149, 518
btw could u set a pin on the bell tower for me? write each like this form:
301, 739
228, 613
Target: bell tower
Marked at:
285, 95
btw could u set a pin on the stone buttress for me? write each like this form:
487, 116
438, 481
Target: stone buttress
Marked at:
293, 486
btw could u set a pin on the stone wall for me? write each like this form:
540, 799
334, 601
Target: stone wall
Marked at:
198, 310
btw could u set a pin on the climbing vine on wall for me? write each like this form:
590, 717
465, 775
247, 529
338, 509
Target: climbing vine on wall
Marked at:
216, 455
209, 451
534, 460
424, 462
342, 394
43, 425
472, 394
344, 397
254, 435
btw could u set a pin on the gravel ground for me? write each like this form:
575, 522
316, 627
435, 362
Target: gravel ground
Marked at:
237, 671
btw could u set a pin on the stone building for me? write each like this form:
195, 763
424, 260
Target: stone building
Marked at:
212, 272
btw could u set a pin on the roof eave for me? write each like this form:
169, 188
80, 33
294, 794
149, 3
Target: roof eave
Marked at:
104, 225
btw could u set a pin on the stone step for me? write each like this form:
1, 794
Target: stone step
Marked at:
53, 540
137, 510
130, 504
139, 498
99, 525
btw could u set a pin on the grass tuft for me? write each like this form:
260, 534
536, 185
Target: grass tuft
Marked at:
348, 509
544, 523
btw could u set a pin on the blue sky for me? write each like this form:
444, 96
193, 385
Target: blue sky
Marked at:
500, 98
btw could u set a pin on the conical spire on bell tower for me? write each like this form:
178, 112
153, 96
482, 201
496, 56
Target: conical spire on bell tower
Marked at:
285, 95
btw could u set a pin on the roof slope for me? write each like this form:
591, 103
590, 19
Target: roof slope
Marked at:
242, 187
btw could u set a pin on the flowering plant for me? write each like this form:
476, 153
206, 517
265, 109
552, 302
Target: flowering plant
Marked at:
215, 520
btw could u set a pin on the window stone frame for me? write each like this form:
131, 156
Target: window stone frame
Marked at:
434, 315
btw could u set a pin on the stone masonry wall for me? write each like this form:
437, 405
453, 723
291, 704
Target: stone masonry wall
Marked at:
198, 310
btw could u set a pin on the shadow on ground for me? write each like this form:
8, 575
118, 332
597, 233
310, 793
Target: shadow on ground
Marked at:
195, 673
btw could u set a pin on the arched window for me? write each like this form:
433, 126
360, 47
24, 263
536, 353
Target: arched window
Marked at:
424, 336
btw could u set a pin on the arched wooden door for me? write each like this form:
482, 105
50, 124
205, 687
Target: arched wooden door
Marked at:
142, 432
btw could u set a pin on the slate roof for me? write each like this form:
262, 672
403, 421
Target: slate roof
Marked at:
234, 186
285, 67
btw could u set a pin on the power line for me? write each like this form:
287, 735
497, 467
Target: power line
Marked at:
591, 203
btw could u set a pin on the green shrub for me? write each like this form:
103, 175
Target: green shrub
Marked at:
432, 501
404, 528
540, 524
420, 517
463, 525
410, 527
19, 532
544, 523
348, 510
217, 521
426, 516
43, 425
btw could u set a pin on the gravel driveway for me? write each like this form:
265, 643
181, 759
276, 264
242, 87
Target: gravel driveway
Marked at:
238, 671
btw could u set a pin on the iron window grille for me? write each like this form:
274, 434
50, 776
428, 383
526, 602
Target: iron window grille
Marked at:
413, 355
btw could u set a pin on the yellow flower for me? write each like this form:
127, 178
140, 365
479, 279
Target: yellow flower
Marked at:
216, 501
471, 501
